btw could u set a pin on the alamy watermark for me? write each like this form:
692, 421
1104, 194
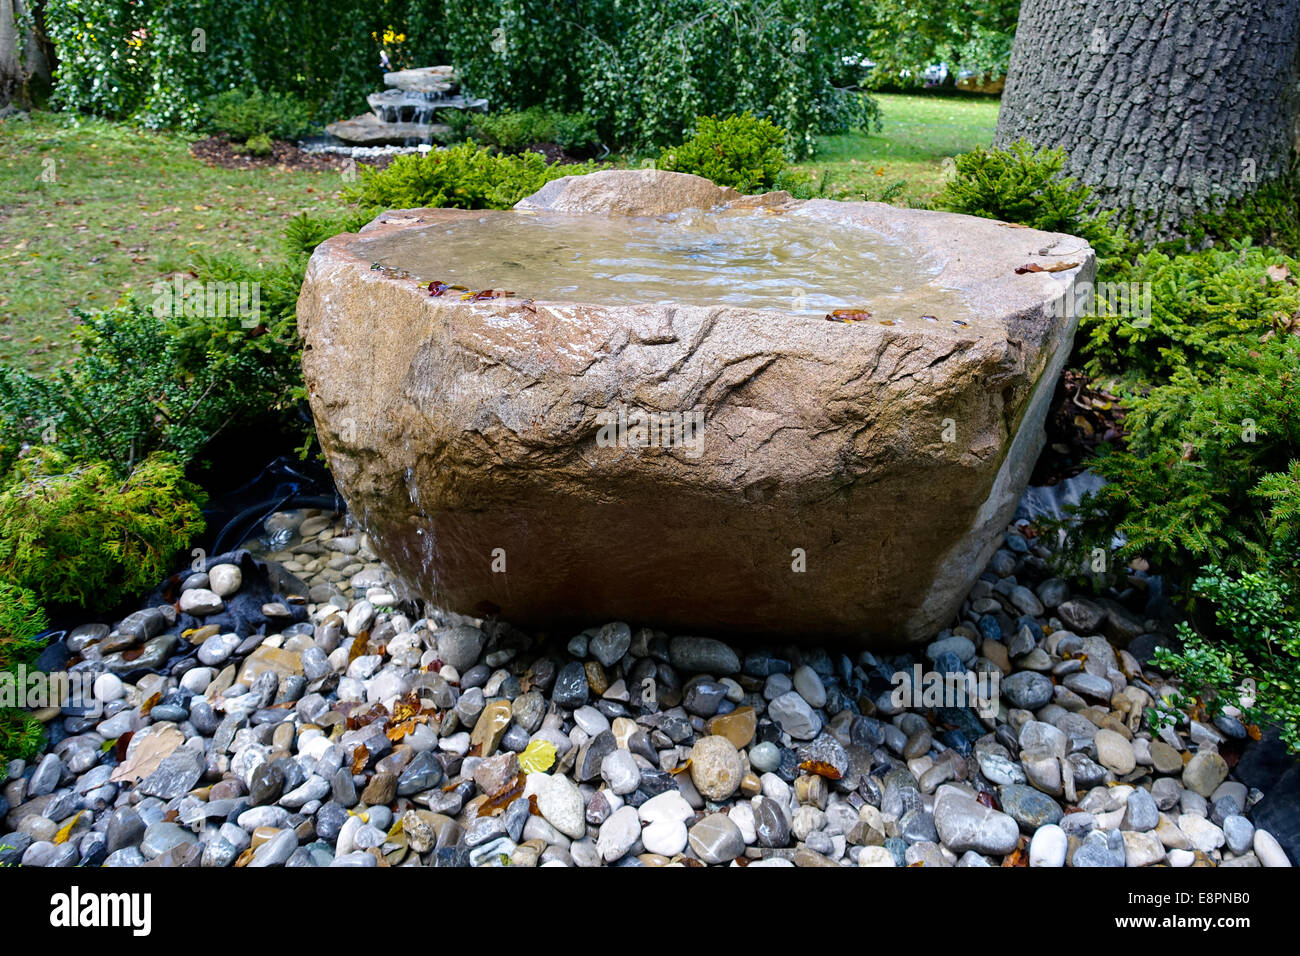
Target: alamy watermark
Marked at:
35, 690
625, 427
1129, 300
189, 298
922, 689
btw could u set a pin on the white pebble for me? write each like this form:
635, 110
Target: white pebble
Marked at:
108, 687
1268, 850
1048, 846
196, 679
225, 579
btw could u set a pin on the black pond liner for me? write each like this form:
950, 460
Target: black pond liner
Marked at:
283, 484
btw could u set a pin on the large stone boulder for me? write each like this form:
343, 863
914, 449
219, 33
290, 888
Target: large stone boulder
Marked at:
851, 479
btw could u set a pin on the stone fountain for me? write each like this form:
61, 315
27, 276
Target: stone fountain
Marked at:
636, 407
404, 112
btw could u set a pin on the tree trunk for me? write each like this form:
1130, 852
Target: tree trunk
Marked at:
1165, 107
26, 54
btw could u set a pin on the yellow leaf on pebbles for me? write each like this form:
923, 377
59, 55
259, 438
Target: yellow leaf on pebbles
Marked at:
66, 831
538, 757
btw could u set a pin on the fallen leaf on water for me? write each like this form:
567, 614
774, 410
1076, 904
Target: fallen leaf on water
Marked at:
848, 315
538, 757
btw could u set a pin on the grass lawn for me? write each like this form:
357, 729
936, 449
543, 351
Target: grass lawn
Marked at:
124, 209
919, 133
92, 210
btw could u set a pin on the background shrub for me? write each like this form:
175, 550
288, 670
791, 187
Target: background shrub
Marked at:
513, 131
145, 61
743, 152
643, 68
142, 384
464, 176
78, 533
646, 68
1025, 186
247, 116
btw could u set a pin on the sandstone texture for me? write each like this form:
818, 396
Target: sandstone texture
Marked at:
850, 480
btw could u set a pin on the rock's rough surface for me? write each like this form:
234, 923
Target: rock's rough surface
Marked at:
453, 426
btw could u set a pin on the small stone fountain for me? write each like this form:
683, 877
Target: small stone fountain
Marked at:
404, 112
600, 405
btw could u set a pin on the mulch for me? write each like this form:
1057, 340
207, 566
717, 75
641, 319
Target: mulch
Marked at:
219, 151
1082, 417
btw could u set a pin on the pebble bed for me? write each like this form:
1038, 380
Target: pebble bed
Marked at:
356, 733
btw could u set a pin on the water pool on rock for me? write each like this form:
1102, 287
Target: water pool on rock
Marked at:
848, 480
748, 258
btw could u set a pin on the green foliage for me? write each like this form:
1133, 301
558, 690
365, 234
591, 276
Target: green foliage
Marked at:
743, 152
647, 68
464, 176
1209, 474
1025, 186
259, 145
1204, 305
904, 37
142, 384
1269, 216
513, 131
304, 233
1258, 642
75, 532
21, 736
157, 63
21, 619
261, 116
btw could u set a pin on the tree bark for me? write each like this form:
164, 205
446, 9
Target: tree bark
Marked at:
26, 54
1165, 107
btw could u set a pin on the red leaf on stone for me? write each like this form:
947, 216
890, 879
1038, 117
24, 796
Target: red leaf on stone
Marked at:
508, 794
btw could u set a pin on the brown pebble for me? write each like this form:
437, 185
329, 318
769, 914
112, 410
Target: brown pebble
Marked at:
381, 790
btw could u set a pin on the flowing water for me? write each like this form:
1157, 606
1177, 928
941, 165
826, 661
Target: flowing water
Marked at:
745, 258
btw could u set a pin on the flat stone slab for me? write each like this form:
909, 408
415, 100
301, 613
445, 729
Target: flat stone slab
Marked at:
424, 79
853, 480
369, 130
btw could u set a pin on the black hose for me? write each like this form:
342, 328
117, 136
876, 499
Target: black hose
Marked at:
240, 527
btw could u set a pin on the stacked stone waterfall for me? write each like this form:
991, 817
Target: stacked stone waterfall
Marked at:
404, 112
